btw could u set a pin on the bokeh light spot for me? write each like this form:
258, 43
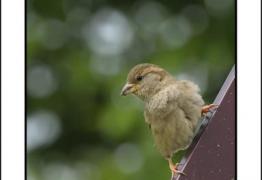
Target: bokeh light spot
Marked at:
175, 32
149, 15
198, 18
41, 81
108, 33
128, 158
52, 34
43, 128
59, 170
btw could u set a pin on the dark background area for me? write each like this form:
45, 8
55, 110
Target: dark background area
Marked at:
78, 55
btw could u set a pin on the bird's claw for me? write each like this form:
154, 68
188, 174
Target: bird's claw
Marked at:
207, 108
174, 169
176, 173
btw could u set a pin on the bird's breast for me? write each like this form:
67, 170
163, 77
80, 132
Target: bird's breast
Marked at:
171, 132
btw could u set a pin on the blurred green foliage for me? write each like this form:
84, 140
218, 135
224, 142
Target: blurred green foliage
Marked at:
78, 56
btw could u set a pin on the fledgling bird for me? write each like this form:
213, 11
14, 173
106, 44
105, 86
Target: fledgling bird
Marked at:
172, 107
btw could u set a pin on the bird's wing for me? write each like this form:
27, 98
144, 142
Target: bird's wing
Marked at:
189, 100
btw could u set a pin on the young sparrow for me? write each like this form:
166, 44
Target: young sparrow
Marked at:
172, 108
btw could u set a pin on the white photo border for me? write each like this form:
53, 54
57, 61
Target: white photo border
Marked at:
13, 105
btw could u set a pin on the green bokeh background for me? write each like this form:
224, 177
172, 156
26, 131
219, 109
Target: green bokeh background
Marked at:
78, 55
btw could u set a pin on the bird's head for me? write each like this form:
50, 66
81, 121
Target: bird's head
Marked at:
144, 81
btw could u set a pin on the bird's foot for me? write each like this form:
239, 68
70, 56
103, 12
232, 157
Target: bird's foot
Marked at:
174, 170
207, 108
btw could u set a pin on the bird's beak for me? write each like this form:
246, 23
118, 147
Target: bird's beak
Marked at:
128, 89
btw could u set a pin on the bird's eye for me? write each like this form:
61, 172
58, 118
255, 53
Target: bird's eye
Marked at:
139, 78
